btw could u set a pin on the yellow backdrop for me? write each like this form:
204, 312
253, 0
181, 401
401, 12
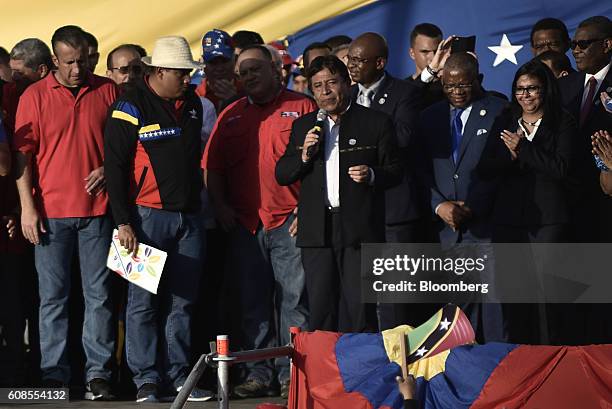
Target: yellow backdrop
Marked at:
114, 22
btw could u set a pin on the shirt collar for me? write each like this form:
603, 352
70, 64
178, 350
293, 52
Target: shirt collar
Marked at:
374, 87
52, 82
466, 109
599, 75
331, 122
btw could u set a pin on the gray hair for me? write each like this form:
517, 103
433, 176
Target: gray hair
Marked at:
33, 52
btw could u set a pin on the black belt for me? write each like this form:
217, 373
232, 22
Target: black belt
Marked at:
333, 209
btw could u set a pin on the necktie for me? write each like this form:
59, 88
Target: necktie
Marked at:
588, 103
366, 98
457, 132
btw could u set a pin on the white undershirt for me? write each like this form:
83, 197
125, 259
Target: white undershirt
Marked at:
528, 135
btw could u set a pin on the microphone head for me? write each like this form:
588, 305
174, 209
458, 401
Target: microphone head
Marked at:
321, 115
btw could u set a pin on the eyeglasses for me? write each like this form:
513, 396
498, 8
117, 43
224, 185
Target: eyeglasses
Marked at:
530, 90
358, 61
126, 69
122, 70
457, 87
547, 44
584, 44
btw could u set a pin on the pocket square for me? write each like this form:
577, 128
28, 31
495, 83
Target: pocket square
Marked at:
481, 132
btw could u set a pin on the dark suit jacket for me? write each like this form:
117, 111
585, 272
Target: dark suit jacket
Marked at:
431, 92
460, 181
532, 189
401, 100
591, 208
366, 138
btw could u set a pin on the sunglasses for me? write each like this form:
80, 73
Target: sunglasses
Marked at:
584, 44
136, 69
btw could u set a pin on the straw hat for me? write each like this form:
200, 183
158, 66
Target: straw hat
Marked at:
171, 52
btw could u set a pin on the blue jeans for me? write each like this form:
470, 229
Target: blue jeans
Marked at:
267, 269
53, 259
158, 327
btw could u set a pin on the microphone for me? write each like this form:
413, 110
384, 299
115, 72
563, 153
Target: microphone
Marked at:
318, 128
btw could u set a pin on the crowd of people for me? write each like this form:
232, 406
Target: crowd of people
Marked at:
261, 175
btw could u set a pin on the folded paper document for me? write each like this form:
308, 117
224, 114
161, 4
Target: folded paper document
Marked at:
143, 268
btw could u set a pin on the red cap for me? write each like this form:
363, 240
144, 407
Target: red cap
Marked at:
282, 50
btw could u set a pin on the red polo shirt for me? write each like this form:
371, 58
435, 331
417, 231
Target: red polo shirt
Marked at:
247, 141
65, 136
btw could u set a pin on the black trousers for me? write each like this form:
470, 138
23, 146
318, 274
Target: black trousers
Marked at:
333, 284
562, 324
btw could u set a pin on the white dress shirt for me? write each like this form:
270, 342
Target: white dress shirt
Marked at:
332, 163
464, 117
370, 91
599, 76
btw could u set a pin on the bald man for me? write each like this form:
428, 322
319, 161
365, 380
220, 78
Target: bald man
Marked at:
377, 89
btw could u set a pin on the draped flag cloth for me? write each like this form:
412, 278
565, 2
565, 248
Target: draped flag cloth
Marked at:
357, 371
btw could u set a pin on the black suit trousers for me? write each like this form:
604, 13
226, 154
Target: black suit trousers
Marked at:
333, 284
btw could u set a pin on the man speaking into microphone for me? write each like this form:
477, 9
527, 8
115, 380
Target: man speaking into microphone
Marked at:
344, 169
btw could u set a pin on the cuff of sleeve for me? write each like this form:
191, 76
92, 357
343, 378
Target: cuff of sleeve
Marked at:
372, 177
426, 77
436, 209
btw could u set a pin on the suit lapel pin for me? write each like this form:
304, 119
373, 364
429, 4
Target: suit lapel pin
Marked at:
382, 100
352, 142
483, 112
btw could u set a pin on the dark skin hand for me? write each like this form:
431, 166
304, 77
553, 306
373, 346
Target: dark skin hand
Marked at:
602, 147
407, 387
454, 213
10, 222
128, 239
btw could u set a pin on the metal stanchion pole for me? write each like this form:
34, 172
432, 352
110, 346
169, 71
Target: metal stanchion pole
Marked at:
293, 386
223, 371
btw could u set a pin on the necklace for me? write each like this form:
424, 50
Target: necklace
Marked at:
530, 123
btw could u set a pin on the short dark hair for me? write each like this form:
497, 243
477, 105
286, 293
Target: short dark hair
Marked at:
464, 61
245, 38
132, 47
332, 63
550, 23
262, 49
549, 92
602, 24
4, 56
73, 36
425, 29
337, 41
33, 52
91, 40
558, 61
313, 46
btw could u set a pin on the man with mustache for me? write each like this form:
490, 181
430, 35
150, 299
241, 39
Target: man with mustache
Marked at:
257, 213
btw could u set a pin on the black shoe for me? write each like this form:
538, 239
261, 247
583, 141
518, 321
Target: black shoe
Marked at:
253, 388
98, 389
284, 390
147, 393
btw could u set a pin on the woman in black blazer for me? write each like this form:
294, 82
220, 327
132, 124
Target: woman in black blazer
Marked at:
530, 152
